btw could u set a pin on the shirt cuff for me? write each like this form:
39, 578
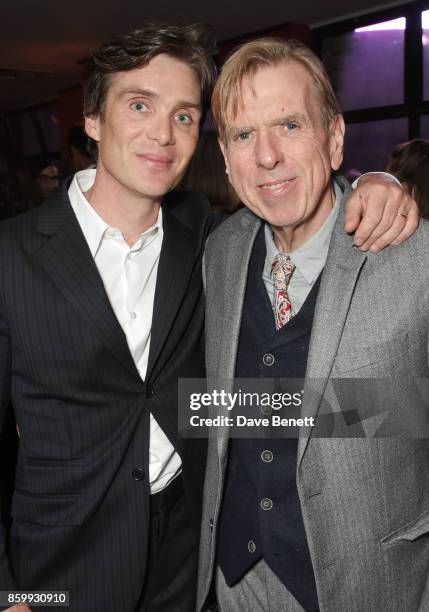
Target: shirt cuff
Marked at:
355, 182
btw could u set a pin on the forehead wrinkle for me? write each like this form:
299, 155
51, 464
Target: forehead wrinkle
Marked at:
310, 95
246, 83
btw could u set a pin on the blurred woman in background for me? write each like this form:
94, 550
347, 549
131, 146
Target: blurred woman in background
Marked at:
409, 162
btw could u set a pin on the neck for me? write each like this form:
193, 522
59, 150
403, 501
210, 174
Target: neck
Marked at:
290, 238
122, 208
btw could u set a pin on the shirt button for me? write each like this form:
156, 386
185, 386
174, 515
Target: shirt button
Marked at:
134, 315
266, 503
111, 233
267, 456
268, 359
251, 546
266, 409
137, 474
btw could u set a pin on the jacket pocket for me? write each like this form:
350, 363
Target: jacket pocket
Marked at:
41, 461
51, 476
67, 510
411, 531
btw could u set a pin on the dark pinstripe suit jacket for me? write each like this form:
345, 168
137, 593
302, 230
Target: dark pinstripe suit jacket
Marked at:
80, 520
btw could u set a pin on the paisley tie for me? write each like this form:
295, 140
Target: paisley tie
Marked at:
282, 270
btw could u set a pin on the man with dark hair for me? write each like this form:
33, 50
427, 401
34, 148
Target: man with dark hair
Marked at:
101, 312
192, 44
107, 497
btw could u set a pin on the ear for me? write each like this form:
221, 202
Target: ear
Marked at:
92, 127
336, 141
225, 156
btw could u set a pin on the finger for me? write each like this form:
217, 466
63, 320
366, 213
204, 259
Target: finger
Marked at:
390, 236
408, 205
404, 227
390, 220
410, 227
354, 211
398, 207
367, 225
382, 227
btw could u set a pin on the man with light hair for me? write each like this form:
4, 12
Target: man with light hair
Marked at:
306, 523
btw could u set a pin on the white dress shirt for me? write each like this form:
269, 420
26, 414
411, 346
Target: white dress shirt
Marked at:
129, 277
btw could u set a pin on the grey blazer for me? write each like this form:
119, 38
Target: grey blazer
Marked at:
365, 501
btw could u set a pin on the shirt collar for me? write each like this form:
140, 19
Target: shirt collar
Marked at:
311, 256
92, 225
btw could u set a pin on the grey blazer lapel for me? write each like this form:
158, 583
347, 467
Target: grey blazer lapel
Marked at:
240, 245
340, 275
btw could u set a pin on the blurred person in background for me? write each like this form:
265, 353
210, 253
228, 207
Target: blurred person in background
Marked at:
82, 152
45, 177
206, 173
36, 178
409, 162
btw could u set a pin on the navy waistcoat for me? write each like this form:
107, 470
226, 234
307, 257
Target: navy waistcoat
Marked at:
261, 513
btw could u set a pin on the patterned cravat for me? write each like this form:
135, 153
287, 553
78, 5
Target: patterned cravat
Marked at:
282, 270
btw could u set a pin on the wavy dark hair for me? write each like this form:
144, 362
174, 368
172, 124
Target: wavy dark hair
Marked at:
192, 44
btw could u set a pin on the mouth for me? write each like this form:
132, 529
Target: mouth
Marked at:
160, 162
276, 185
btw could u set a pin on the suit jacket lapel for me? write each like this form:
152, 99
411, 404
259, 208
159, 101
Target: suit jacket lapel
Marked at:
180, 247
67, 260
338, 283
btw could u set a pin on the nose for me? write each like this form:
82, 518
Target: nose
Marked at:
161, 130
268, 153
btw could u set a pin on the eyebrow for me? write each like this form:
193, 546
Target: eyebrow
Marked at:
234, 131
188, 104
293, 117
298, 117
148, 93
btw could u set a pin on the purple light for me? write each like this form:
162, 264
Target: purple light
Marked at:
393, 24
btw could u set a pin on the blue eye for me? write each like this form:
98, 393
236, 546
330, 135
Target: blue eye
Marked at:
291, 126
139, 107
182, 118
243, 136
